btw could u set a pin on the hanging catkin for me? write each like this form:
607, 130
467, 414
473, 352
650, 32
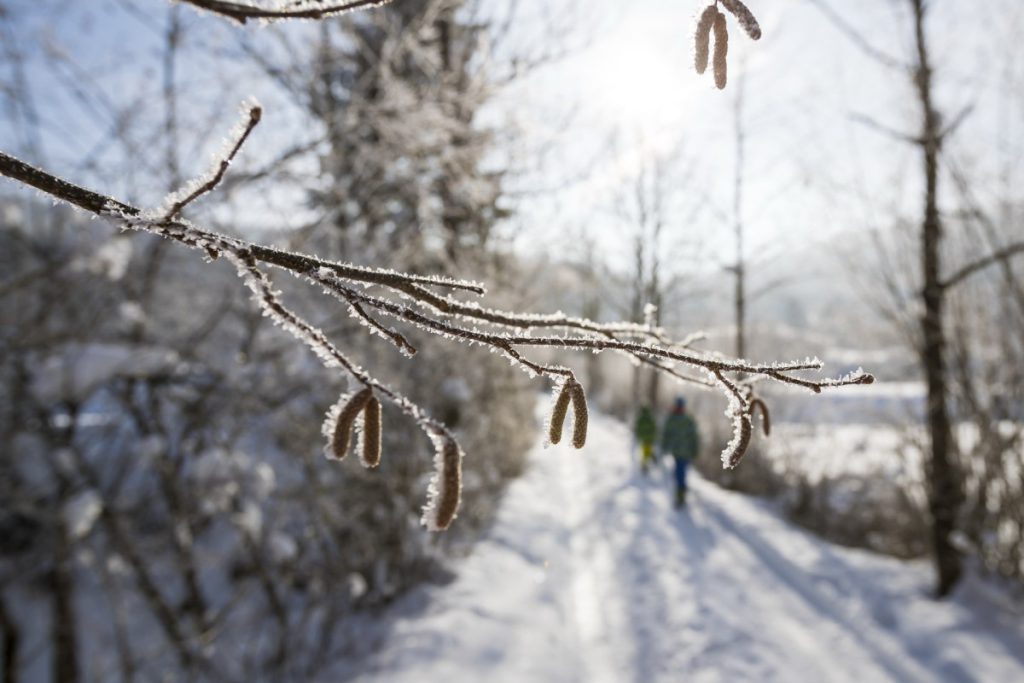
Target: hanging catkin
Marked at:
370, 451
766, 418
737, 448
720, 62
580, 414
702, 38
446, 487
558, 413
344, 414
743, 15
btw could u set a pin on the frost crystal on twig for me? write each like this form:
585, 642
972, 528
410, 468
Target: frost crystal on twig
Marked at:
203, 184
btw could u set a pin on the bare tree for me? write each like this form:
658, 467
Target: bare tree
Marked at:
656, 211
945, 493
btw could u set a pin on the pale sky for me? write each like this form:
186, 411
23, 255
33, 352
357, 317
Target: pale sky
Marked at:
811, 171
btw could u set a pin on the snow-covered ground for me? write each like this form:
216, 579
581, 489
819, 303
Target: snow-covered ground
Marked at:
590, 575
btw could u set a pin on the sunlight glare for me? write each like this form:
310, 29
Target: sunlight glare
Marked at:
639, 77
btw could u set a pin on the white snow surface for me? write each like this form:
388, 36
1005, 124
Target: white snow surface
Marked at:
589, 574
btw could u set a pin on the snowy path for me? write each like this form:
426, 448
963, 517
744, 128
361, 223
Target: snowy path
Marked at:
590, 575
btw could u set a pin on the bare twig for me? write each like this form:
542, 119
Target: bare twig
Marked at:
244, 11
1000, 255
857, 38
254, 115
880, 127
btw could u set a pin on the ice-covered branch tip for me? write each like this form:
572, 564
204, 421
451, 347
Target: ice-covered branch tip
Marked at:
278, 10
376, 297
202, 185
712, 21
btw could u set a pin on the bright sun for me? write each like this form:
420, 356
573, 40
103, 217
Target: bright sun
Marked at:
638, 77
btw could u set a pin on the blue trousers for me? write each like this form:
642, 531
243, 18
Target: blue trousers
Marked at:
681, 466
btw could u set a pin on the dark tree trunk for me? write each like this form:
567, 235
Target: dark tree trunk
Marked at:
944, 491
9, 647
65, 656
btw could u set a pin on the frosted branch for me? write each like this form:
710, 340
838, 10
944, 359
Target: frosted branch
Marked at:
275, 10
373, 295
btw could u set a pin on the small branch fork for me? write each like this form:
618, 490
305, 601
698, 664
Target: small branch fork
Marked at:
421, 302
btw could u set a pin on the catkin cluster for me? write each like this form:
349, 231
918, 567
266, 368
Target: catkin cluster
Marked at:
713, 20
341, 420
571, 392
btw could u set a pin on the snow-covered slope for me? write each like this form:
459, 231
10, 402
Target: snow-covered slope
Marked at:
590, 575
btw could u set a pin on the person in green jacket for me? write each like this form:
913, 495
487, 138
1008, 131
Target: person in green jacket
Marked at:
646, 432
679, 438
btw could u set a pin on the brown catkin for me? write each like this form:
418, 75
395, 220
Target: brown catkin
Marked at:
370, 453
702, 38
743, 15
343, 425
579, 415
720, 62
739, 444
558, 413
766, 418
450, 490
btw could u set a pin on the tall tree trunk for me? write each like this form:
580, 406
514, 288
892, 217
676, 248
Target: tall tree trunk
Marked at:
65, 648
740, 294
9, 646
944, 490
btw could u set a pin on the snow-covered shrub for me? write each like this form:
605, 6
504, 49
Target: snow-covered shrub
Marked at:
191, 490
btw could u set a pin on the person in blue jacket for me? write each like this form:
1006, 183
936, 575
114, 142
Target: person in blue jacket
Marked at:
679, 438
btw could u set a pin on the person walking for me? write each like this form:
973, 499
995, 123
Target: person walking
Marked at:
646, 433
680, 439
